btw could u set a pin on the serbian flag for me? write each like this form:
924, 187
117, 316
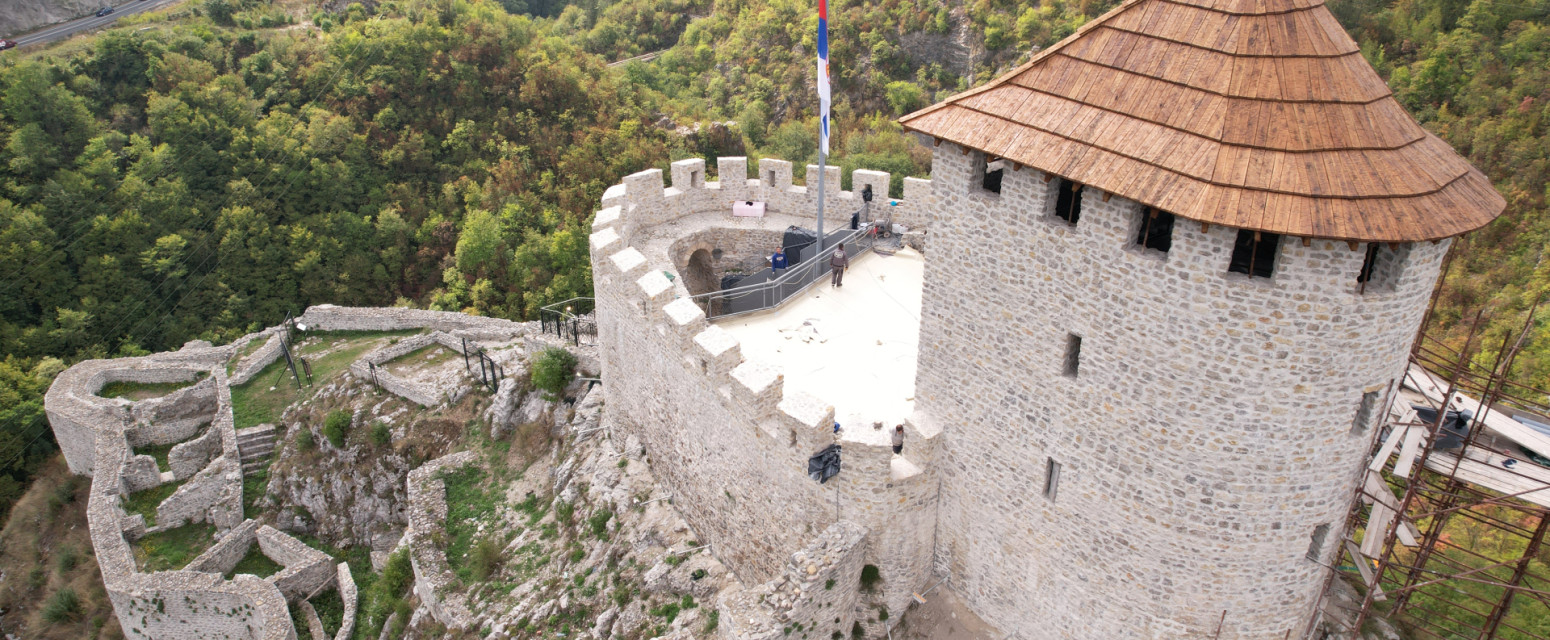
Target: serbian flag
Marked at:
823, 75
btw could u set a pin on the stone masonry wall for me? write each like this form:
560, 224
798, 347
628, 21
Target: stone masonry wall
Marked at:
427, 516
173, 417
307, 570
255, 362
424, 394
719, 429
813, 598
224, 555
188, 457
1206, 433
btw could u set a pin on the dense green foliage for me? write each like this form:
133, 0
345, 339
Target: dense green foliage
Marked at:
552, 370
336, 426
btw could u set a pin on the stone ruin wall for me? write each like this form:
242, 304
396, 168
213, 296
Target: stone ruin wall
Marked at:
98, 433
422, 393
1207, 433
427, 516
720, 431
810, 600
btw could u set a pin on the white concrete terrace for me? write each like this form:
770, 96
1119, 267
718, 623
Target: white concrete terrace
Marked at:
853, 346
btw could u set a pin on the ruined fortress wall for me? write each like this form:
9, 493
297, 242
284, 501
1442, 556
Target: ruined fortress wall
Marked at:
721, 433
188, 604
255, 362
813, 597
1208, 431
188, 457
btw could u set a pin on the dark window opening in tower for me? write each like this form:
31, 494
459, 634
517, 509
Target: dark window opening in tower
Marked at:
1073, 354
991, 172
1156, 229
1381, 267
1254, 253
1051, 478
1316, 545
1068, 201
1365, 412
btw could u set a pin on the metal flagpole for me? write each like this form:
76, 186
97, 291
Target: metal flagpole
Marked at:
823, 111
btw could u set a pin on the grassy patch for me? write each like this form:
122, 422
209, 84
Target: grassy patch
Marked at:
144, 390
264, 397
159, 452
381, 595
336, 427
471, 499
426, 357
145, 502
330, 608
63, 606
253, 488
173, 549
255, 563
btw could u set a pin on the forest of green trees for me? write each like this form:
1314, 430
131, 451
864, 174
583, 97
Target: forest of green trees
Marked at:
200, 171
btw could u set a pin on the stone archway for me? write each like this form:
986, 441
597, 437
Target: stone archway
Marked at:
700, 273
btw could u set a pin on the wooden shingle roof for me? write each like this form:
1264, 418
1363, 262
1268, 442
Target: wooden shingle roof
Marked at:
1256, 114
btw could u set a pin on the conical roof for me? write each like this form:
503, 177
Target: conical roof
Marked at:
1256, 114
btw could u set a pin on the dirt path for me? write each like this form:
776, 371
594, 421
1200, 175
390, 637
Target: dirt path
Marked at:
944, 617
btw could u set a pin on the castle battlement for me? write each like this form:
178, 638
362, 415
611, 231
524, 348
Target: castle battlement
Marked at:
733, 441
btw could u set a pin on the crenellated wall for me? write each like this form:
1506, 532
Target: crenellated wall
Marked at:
721, 432
1206, 432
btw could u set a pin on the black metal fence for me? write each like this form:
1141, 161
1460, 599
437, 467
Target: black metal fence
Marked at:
770, 289
571, 320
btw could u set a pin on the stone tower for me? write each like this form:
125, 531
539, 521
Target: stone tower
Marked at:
1175, 267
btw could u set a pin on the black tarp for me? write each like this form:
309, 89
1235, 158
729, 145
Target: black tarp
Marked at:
825, 465
1455, 426
795, 239
730, 280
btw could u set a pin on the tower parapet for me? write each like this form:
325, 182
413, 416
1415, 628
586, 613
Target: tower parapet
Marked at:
720, 427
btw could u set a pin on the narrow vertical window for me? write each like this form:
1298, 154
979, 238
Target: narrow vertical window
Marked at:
1254, 253
1316, 544
1073, 360
1381, 267
769, 178
1156, 229
1051, 478
1365, 412
1068, 200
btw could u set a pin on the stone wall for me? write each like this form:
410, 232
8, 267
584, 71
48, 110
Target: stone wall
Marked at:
720, 430
815, 596
213, 495
187, 458
427, 515
173, 417
307, 570
224, 555
327, 317
255, 362
188, 604
1205, 435
139, 473
348, 593
424, 394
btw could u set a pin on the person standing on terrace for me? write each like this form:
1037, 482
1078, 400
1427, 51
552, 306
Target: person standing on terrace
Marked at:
778, 262
838, 261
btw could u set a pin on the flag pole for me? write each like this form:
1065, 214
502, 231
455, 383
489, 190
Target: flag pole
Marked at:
823, 111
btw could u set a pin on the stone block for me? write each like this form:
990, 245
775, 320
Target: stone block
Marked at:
719, 351
758, 387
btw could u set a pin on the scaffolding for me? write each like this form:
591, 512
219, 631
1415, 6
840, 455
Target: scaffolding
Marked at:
1447, 527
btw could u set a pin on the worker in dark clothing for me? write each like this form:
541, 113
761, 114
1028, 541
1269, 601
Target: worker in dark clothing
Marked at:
898, 439
838, 261
778, 262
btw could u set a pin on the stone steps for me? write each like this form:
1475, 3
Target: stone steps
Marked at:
254, 446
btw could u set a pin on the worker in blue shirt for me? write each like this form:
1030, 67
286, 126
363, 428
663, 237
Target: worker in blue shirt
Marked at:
778, 262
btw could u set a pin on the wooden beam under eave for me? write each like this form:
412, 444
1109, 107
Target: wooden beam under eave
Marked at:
936, 142
1307, 242
1106, 196
1352, 244
1205, 227
1017, 166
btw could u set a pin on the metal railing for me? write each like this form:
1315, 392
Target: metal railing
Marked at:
571, 320
772, 292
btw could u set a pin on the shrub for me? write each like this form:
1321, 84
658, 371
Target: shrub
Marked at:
486, 558
304, 440
62, 607
712, 620
68, 557
599, 523
564, 511
870, 576
552, 370
336, 426
381, 435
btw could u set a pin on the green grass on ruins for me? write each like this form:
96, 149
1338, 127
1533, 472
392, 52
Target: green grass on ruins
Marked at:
425, 357
173, 549
145, 502
137, 391
330, 608
253, 488
264, 397
255, 563
160, 451
472, 498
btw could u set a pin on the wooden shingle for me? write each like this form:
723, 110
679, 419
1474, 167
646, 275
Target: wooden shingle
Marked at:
1256, 114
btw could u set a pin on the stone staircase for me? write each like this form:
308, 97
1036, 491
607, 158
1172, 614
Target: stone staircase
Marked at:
254, 445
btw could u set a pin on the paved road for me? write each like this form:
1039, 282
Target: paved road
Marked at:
66, 29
